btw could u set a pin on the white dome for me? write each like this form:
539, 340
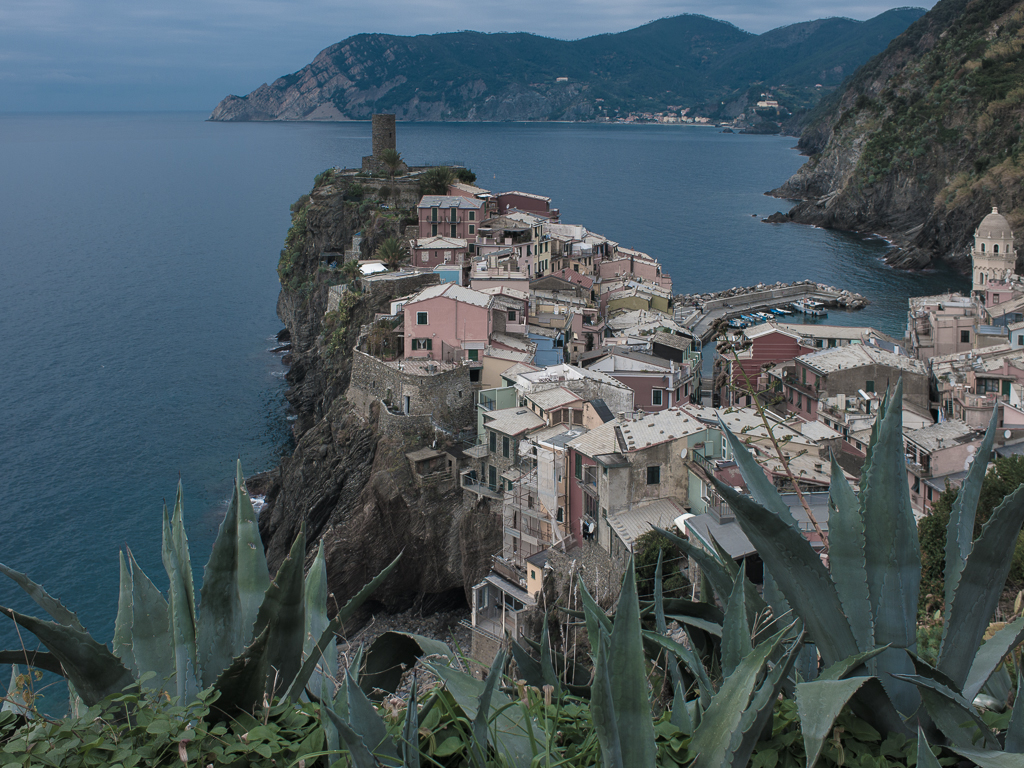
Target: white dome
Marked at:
995, 227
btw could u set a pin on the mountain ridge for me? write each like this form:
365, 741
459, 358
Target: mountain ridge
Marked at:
688, 61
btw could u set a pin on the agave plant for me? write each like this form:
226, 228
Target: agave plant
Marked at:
863, 605
248, 637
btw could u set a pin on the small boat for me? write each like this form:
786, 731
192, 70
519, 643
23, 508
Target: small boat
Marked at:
810, 308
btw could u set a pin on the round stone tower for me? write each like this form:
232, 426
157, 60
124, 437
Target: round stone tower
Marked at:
993, 257
383, 133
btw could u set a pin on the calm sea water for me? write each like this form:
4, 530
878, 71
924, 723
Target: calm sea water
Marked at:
138, 290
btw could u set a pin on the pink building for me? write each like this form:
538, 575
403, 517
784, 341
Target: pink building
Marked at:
429, 252
524, 201
657, 384
449, 216
449, 322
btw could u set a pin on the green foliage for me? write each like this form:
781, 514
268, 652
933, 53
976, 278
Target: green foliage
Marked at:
647, 548
392, 252
294, 242
437, 180
336, 323
1003, 478
465, 175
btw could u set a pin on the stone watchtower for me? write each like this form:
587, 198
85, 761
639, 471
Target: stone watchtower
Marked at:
383, 127
993, 258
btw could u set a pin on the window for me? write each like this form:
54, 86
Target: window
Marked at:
504, 446
533, 574
965, 337
455, 230
433, 214
472, 229
474, 374
869, 386
604, 513
511, 315
494, 441
472, 215
653, 475
995, 248
453, 214
433, 230
474, 354
560, 515
422, 344
604, 471
656, 397
579, 466
421, 318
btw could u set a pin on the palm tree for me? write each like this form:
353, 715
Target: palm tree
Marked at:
350, 269
437, 180
392, 160
392, 252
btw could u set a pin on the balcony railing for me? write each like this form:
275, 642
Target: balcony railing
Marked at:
919, 469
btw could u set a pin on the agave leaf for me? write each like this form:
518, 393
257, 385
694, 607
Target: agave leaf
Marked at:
546, 666
37, 659
151, 632
960, 528
841, 669
284, 613
1015, 729
602, 707
481, 722
711, 566
761, 488
711, 744
181, 604
690, 661
90, 666
337, 624
529, 667
999, 685
390, 655
758, 714
315, 596
510, 729
628, 674
799, 573
892, 553
682, 607
234, 583
692, 621
952, 714
981, 583
736, 630
819, 704
363, 718
410, 747
680, 712
991, 655
123, 622
662, 625
8, 705
42, 598
985, 758
925, 757
597, 619
359, 755
244, 682
781, 610
846, 557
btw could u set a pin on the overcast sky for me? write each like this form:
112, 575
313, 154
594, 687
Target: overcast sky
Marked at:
74, 55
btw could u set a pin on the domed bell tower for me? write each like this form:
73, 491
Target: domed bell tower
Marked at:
993, 258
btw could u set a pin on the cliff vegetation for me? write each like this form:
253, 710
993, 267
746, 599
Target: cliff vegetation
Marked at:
925, 138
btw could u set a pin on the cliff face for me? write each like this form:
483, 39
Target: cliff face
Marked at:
684, 61
347, 480
925, 138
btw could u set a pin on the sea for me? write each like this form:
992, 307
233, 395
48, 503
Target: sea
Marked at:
138, 291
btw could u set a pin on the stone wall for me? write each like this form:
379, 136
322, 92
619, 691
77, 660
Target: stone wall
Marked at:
383, 133
445, 398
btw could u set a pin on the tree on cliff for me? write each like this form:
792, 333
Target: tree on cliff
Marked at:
392, 252
392, 160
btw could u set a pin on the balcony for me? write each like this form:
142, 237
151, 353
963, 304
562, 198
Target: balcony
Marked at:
470, 483
921, 470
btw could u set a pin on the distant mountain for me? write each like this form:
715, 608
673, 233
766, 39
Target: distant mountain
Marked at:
685, 61
925, 138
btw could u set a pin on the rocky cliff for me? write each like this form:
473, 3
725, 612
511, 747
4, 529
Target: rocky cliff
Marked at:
925, 138
349, 482
672, 63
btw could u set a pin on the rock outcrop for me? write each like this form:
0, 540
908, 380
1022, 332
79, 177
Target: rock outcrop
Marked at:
347, 482
925, 139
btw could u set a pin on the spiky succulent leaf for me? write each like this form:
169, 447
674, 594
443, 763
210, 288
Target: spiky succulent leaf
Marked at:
819, 704
799, 573
529, 667
42, 598
481, 723
152, 646
981, 583
358, 754
690, 660
284, 613
242, 685
409, 749
960, 528
602, 707
546, 665
846, 557
37, 659
90, 666
337, 625
736, 630
711, 744
892, 552
990, 656
758, 713
661, 624
680, 711
952, 713
986, 758
234, 583
8, 703
123, 622
841, 669
762, 490
925, 757
391, 654
315, 596
711, 566
1015, 728
181, 611
596, 618
363, 718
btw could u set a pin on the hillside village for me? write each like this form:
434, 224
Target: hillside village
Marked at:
560, 385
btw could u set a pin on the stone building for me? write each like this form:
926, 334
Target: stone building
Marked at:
993, 258
383, 138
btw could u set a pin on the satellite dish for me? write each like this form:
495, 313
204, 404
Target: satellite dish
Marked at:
1007, 434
